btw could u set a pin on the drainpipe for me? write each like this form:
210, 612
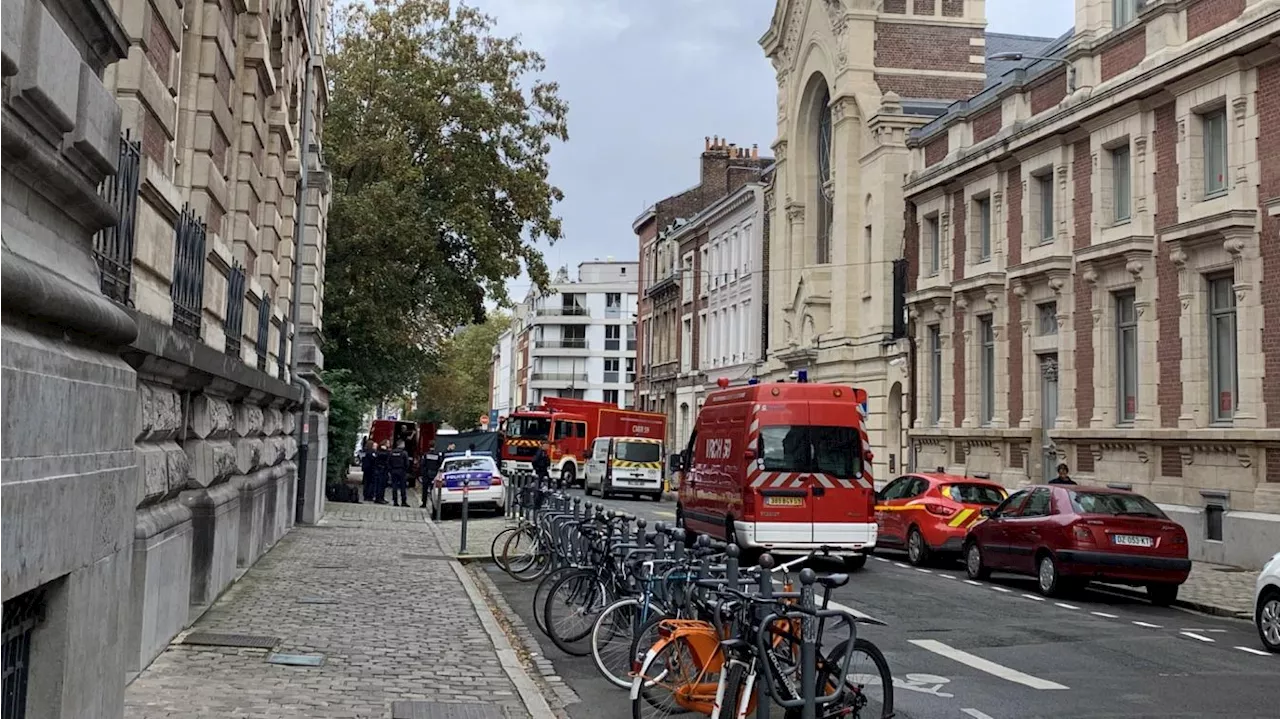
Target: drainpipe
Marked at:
911, 387
299, 236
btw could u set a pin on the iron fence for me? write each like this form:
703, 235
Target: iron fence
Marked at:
283, 349
113, 246
233, 319
22, 615
187, 290
264, 328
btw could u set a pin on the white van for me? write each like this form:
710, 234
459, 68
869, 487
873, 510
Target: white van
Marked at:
625, 465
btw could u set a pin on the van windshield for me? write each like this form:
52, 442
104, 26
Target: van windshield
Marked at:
830, 450
638, 451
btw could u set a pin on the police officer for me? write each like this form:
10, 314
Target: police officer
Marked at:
368, 472
380, 462
398, 469
542, 465
430, 466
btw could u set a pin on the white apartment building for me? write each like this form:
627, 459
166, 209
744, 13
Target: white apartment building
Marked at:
502, 379
582, 335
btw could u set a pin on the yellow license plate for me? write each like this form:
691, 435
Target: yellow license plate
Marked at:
784, 501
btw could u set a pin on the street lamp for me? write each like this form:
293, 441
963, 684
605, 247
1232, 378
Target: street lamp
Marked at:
1019, 56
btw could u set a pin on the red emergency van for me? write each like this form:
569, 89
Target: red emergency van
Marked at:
783, 467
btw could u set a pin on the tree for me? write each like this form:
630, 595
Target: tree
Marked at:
437, 135
348, 403
456, 391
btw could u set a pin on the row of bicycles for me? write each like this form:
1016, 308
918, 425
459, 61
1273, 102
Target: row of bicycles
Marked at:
682, 626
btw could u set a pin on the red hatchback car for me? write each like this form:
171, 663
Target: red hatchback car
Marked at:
1069, 535
929, 513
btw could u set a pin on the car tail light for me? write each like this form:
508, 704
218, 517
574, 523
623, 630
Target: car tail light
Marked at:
1082, 534
1179, 538
940, 510
495, 480
748, 503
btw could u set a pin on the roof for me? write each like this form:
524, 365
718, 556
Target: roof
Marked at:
1001, 42
954, 478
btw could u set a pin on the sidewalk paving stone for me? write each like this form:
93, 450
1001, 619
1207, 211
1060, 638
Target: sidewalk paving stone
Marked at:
399, 629
1216, 589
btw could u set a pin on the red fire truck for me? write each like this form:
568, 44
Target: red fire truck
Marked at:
570, 426
418, 438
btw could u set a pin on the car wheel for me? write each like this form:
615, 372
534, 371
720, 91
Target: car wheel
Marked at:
656, 496
1048, 579
1162, 595
917, 549
606, 490
690, 536
854, 562
1267, 617
974, 565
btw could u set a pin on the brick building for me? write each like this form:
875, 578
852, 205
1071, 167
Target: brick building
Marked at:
1087, 240
724, 168
854, 78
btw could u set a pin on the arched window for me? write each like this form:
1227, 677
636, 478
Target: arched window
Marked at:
826, 208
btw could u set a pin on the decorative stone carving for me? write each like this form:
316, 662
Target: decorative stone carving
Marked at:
212, 462
795, 211
962, 303
271, 421
160, 412
209, 416
288, 423
993, 299
1049, 369
1245, 458
248, 420
1134, 267
1057, 284
1090, 276
1020, 290
248, 455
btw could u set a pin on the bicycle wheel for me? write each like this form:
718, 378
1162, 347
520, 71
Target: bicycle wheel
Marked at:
499, 542
868, 686
670, 682
543, 591
572, 608
525, 556
613, 637
732, 696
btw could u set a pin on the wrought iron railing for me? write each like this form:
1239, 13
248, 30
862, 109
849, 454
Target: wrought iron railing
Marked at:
233, 320
22, 615
187, 289
283, 350
264, 329
113, 246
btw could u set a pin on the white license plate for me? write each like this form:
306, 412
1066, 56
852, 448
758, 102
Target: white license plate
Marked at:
784, 501
1131, 540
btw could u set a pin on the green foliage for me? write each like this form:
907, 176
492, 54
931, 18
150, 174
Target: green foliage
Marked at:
456, 391
437, 134
348, 403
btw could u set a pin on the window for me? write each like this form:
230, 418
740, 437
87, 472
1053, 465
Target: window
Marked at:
1038, 504
935, 374
631, 370
704, 338
23, 616
638, 451
611, 371
1012, 507
573, 304
834, 451
1215, 152
826, 208
1123, 12
611, 396
748, 344
1222, 347
1044, 190
612, 337
1047, 318
933, 240
867, 264
1126, 357
686, 344
983, 218
1114, 504
628, 398
631, 338
734, 334
1120, 186
613, 304
987, 336
575, 337
705, 274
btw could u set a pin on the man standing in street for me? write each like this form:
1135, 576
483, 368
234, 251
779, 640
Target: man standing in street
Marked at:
368, 472
380, 471
430, 466
398, 469
542, 465
1064, 475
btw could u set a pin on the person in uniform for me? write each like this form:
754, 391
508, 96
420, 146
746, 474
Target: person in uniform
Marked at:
368, 473
380, 459
398, 470
430, 467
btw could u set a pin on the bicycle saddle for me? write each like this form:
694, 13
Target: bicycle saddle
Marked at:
831, 581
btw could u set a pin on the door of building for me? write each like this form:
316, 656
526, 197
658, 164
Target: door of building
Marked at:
1048, 412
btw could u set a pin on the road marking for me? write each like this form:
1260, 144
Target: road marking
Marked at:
662, 513
1251, 650
879, 559
977, 714
946, 576
1064, 605
1148, 625
900, 564
984, 665
970, 581
926, 571
1001, 589
1034, 597
838, 606
1193, 635
1104, 614
1205, 631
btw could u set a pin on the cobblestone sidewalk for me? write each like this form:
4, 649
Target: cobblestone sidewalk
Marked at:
402, 626
1215, 589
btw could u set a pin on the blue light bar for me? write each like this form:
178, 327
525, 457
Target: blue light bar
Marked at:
802, 375
754, 380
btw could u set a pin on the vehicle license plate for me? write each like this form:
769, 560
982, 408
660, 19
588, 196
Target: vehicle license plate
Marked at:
784, 501
1130, 540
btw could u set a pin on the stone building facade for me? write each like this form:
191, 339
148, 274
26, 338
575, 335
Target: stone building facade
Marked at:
1088, 241
855, 77
152, 152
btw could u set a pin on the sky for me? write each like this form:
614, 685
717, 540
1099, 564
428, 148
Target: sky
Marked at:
646, 81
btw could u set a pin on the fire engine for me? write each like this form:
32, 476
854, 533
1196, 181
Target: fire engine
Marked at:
569, 427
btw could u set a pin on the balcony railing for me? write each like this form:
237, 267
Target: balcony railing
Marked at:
113, 246
564, 312
559, 377
283, 350
264, 329
572, 343
187, 290
233, 319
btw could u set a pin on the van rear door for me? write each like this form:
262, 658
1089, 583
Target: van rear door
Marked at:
779, 482
844, 496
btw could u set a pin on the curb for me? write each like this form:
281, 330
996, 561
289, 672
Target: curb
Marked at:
1201, 607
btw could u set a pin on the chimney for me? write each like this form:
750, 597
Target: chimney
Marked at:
707, 147
755, 152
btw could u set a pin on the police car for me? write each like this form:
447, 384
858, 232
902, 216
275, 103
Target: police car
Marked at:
475, 477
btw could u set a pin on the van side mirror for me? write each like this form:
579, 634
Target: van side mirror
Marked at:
987, 512
675, 463
749, 454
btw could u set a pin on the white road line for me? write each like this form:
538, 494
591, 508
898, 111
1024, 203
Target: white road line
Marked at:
1034, 597
977, 714
1193, 635
1001, 589
1205, 631
879, 559
926, 571
1148, 625
984, 665
970, 581
900, 564
1104, 614
1251, 650
946, 576
1064, 605
838, 606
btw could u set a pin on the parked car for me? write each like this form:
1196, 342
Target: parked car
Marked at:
1067, 536
1267, 602
929, 513
474, 477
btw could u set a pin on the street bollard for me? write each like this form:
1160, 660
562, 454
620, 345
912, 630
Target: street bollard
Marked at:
808, 647
704, 562
437, 507
466, 503
766, 590
677, 545
640, 538
660, 540
731, 566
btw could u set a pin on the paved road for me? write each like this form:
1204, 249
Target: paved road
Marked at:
996, 649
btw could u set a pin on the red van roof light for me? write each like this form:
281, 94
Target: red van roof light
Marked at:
723, 383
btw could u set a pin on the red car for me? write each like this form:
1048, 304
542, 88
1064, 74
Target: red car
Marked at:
930, 513
1069, 535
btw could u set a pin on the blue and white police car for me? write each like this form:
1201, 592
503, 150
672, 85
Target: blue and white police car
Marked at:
475, 477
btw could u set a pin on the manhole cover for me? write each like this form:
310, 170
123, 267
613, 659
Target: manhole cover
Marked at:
435, 557
244, 641
316, 600
436, 710
296, 660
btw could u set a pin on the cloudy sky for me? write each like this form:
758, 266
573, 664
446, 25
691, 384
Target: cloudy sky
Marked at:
647, 80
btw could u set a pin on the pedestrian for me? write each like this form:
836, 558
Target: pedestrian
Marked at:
542, 464
398, 469
368, 472
380, 459
430, 466
1064, 475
